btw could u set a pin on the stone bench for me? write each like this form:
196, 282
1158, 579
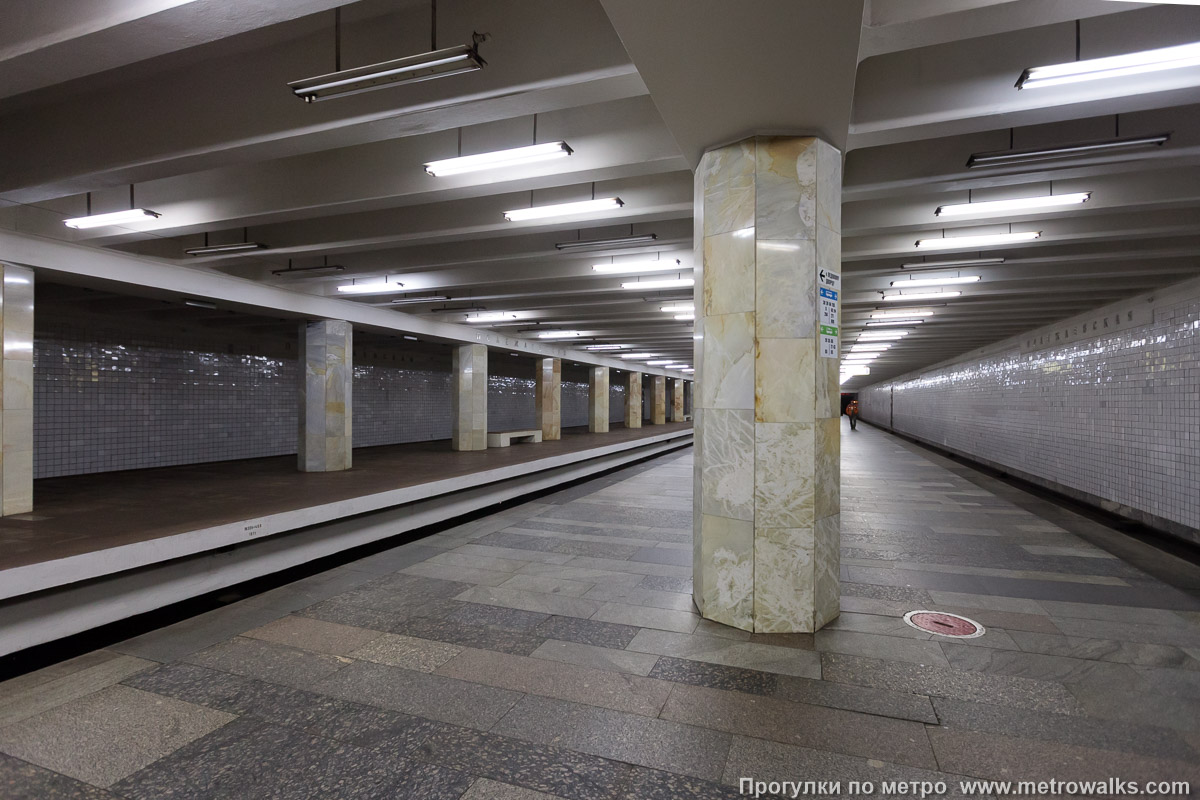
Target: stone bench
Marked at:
505, 438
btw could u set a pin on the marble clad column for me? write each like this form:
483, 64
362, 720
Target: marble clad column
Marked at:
598, 400
633, 400
547, 392
768, 220
676, 400
325, 423
468, 398
16, 370
658, 401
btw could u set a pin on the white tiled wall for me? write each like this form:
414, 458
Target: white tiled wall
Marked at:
1114, 417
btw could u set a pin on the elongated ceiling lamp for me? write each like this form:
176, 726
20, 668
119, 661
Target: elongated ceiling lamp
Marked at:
497, 159
128, 216
1094, 69
971, 242
1050, 202
244, 246
437, 63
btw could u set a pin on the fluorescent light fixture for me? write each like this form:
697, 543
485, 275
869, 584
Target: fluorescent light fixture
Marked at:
677, 307
856, 371
640, 240
411, 338
560, 335
953, 262
899, 314
126, 217
606, 347
864, 357
564, 209
201, 304
317, 268
492, 316
225, 249
673, 283
884, 322
1017, 204
934, 281
662, 265
1006, 158
876, 348
371, 288
429, 298
685, 317
892, 298
973, 242
497, 159
1094, 69
662, 362
410, 69
881, 336
628, 356
688, 369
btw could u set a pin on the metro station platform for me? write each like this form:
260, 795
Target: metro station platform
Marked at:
90, 528
552, 648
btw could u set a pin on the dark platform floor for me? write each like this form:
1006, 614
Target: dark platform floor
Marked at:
85, 513
551, 651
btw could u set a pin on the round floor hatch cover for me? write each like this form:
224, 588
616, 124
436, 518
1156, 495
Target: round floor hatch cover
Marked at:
944, 624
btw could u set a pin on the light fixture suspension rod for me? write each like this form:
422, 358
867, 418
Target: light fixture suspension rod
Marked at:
337, 39
433, 25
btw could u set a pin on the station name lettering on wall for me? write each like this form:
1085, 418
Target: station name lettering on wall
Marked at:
1078, 330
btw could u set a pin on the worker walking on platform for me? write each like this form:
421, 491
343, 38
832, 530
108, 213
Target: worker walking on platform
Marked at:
852, 412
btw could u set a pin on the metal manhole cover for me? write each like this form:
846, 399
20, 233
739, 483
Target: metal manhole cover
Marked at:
943, 624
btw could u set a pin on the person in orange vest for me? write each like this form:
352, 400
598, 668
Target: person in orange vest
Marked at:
852, 412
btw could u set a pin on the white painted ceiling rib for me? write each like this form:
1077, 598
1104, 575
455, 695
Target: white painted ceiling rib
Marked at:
189, 101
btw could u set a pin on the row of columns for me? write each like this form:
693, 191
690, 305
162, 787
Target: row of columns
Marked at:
326, 428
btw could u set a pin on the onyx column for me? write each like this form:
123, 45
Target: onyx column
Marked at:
598, 400
325, 394
633, 400
766, 407
16, 371
547, 392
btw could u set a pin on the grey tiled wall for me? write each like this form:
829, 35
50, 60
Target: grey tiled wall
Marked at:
1113, 417
107, 400
114, 399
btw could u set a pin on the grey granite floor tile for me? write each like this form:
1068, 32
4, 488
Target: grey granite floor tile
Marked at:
1150, 655
20, 780
1035, 665
848, 732
277, 663
661, 584
40, 691
509, 619
654, 784
763, 760
586, 631
433, 696
942, 682
255, 759
729, 652
530, 601
1110, 613
647, 742
487, 789
591, 575
518, 541
314, 634
864, 699
633, 567
616, 515
465, 635
663, 555
457, 559
606, 658
1183, 684
1178, 635
918, 598
547, 585
319, 715
714, 676
883, 624
707, 627
640, 596
985, 755
196, 633
394, 650
1063, 729
474, 575
514, 553
643, 617
543, 768
628, 693
889, 648
1009, 621
107, 735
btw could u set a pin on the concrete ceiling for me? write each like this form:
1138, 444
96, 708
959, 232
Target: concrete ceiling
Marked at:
189, 101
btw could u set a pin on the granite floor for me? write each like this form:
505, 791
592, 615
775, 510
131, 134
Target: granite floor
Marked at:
551, 650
